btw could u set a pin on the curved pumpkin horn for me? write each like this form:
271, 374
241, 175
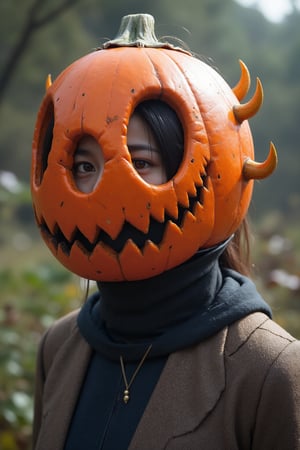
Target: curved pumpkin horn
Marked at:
48, 81
253, 170
242, 87
249, 109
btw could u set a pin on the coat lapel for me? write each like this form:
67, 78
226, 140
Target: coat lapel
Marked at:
64, 380
185, 394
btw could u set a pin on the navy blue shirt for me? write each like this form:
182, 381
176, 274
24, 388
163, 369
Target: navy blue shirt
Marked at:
102, 420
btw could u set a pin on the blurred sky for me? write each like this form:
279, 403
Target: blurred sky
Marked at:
274, 10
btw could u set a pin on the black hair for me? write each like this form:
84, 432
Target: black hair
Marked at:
167, 130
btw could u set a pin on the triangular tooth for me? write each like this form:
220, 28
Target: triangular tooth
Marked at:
172, 234
50, 223
190, 224
185, 190
105, 264
134, 270
183, 199
51, 238
207, 196
90, 231
192, 192
140, 219
164, 201
172, 210
158, 212
181, 189
188, 217
172, 237
67, 229
82, 241
64, 258
64, 247
198, 210
112, 224
171, 203
199, 178
158, 260
76, 261
50, 242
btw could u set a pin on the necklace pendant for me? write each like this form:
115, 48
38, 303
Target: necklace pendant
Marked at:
126, 396
127, 384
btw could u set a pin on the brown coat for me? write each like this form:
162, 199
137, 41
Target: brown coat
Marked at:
238, 390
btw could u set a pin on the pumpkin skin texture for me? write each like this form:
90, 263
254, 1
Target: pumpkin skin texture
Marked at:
202, 205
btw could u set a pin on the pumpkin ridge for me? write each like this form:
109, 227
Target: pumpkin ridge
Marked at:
155, 70
114, 78
80, 89
198, 103
181, 73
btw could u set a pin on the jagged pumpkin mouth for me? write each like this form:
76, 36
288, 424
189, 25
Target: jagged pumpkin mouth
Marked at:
128, 232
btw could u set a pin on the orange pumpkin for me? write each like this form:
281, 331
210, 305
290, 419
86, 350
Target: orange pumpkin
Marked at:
202, 205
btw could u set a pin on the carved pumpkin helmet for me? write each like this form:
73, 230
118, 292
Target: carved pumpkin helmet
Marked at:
204, 202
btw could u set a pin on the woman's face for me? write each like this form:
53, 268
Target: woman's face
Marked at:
146, 159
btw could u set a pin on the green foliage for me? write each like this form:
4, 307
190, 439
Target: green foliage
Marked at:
30, 302
35, 291
31, 299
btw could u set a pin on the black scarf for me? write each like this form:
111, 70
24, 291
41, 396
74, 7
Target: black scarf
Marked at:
171, 311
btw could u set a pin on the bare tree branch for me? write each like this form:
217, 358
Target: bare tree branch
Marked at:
38, 23
31, 25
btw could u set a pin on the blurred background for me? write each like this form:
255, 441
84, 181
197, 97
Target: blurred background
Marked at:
43, 36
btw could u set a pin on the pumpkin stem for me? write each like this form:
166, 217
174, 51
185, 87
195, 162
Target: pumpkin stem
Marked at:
137, 30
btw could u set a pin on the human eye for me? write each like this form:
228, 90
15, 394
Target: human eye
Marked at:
88, 164
85, 174
83, 167
85, 163
147, 163
144, 159
141, 164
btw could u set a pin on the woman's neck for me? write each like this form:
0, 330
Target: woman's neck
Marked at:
139, 310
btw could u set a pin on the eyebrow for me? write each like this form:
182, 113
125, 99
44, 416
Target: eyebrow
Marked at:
143, 147
82, 151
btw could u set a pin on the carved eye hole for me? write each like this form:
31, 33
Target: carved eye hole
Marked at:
88, 164
167, 131
45, 141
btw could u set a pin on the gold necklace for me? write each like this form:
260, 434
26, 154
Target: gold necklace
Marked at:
126, 395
